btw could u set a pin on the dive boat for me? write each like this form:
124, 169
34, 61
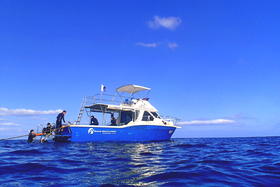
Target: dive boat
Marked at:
135, 118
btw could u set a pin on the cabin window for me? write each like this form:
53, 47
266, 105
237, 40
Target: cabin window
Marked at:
156, 115
147, 117
126, 117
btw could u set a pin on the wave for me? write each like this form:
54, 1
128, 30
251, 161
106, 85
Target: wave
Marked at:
180, 162
191, 146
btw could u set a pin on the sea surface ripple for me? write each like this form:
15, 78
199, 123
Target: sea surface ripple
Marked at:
178, 162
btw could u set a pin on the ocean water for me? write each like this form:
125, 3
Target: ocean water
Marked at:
178, 162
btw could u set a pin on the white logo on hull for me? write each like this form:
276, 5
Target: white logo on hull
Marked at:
91, 131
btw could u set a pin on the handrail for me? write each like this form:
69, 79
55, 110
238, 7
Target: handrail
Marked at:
170, 119
104, 99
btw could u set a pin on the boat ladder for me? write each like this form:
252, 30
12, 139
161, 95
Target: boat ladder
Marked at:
44, 136
82, 109
38, 129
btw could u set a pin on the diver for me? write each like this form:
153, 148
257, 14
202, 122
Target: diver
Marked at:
93, 121
32, 136
47, 129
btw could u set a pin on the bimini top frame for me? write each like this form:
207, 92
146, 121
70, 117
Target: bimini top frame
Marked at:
132, 89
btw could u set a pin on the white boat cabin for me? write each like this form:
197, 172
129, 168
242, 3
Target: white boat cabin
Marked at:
127, 110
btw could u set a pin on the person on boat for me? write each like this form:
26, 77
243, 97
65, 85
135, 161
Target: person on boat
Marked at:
93, 121
59, 119
32, 135
113, 121
47, 129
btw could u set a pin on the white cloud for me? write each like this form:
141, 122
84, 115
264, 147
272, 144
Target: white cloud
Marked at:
208, 122
169, 23
26, 112
147, 45
38, 118
172, 45
241, 116
2, 119
9, 124
4, 129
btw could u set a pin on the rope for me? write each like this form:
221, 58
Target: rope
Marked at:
38, 134
14, 137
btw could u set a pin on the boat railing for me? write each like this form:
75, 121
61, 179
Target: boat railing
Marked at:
171, 119
101, 99
105, 99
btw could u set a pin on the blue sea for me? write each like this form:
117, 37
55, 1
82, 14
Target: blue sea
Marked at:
178, 162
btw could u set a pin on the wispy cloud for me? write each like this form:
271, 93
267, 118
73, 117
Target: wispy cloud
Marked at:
4, 129
147, 45
169, 23
240, 116
38, 118
9, 124
208, 122
172, 45
2, 119
26, 112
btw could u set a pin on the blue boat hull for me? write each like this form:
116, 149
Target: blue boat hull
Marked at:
87, 133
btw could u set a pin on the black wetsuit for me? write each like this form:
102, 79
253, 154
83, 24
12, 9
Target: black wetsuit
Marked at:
113, 122
47, 129
31, 137
94, 121
59, 119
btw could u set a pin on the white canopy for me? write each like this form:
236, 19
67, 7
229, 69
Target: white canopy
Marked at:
132, 88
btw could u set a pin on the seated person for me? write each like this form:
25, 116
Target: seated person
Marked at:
47, 129
113, 121
93, 121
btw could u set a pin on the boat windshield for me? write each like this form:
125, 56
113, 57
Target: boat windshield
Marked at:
147, 117
126, 117
156, 115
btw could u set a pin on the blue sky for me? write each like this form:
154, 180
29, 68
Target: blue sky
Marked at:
213, 64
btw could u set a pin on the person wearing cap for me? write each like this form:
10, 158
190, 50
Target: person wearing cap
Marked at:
93, 121
32, 135
59, 119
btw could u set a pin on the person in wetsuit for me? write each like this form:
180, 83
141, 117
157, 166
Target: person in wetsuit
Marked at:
32, 135
93, 121
59, 119
113, 121
47, 129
